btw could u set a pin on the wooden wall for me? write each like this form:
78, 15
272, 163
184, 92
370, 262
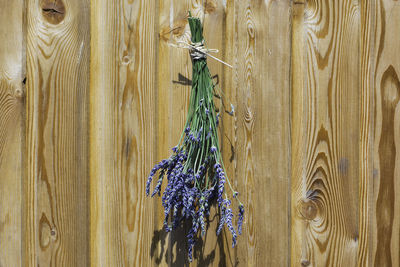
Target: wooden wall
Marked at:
92, 95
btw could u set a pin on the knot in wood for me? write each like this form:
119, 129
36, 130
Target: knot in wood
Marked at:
18, 93
248, 117
210, 7
308, 209
53, 10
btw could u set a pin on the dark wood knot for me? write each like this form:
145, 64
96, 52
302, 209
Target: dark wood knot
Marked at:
53, 11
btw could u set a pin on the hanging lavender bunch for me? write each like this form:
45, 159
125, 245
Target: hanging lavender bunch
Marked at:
195, 172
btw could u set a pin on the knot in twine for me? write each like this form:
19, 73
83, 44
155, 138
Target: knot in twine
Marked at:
198, 51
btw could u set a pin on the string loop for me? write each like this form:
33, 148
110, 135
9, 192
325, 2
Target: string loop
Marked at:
198, 51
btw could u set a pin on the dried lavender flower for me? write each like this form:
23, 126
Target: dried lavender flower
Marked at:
194, 172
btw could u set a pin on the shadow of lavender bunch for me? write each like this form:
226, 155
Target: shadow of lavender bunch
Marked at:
172, 248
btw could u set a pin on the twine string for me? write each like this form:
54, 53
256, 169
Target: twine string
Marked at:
199, 51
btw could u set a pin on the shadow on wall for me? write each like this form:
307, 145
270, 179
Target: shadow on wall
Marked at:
166, 244
183, 80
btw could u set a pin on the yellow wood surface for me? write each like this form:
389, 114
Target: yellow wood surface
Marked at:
262, 61
122, 131
12, 73
312, 147
385, 72
366, 207
325, 142
56, 217
173, 89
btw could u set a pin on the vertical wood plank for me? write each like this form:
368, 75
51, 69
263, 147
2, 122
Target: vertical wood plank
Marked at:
56, 192
11, 131
173, 95
217, 250
263, 134
122, 130
298, 133
386, 85
228, 129
367, 68
170, 25
326, 162
173, 90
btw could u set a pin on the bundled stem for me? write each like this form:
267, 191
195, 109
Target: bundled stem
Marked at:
195, 171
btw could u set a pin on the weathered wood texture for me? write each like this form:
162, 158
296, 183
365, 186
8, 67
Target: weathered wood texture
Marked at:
367, 46
262, 64
345, 130
385, 90
312, 147
11, 131
173, 88
137, 121
56, 217
122, 130
325, 144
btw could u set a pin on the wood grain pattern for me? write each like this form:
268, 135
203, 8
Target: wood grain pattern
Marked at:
123, 127
367, 46
386, 91
298, 136
312, 148
56, 191
229, 124
263, 155
173, 89
218, 249
174, 86
326, 145
11, 132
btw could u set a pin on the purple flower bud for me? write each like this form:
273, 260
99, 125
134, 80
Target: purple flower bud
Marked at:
228, 220
199, 134
221, 187
158, 185
209, 134
222, 220
240, 219
192, 137
201, 215
189, 178
213, 149
148, 185
192, 233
